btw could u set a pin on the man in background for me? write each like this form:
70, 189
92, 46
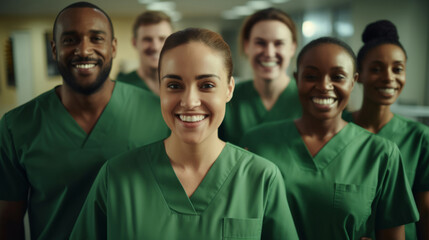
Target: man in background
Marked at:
150, 30
52, 147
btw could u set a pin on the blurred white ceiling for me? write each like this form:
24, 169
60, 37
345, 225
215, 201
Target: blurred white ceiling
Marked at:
186, 9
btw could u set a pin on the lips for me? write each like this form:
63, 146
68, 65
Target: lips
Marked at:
268, 63
389, 91
192, 118
323, 100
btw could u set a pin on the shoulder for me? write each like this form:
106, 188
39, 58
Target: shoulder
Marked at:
25, 114
413, 126
267, 132
244, 87
252, 162
132, 93
136, 157
125, 76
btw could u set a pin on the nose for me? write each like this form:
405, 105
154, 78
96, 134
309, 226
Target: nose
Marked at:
84, 48
325, 84
270, 50
389, 75
190, 99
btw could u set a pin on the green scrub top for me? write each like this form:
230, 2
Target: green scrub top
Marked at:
138, 196
412, 138
44, 152
134, 79
355, 185
246, 110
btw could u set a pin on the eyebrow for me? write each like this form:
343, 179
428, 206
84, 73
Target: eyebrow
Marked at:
199, 77
68, 33
381, 62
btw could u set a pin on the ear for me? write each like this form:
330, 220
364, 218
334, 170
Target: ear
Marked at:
295, 75
134, 41
231, 86
114, 46
292, 49
355, 79
246, 47
54, 50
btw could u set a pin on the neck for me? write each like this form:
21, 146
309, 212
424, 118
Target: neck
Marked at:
270, 89
150, 77
201, 155
86, 109
320, 129
372, 116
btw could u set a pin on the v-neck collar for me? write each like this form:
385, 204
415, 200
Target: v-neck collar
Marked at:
328, 153
174, 193
101, 128
283, 102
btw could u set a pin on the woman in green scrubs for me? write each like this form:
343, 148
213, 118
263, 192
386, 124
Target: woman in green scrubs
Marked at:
381, 65
342, 181
268, 38
191, 185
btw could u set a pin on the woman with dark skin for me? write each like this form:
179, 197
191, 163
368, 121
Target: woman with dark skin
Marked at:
382, 72
342, 181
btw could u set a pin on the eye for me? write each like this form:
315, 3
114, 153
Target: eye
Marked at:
279, 43
260, 43
309, 77
338, 77
173, 85
68, 41
375, 69
398, 70
98, 39
207, 85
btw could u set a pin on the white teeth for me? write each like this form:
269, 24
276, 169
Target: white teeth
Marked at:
323, 101
269, 64
387, 90
191, 118
85, 66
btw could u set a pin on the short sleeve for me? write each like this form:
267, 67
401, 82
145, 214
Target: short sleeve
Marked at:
13, 179
421, 181
396, 204
278, 222
92, 220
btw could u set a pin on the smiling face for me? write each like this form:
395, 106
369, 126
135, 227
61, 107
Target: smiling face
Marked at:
269, 49
149, 41
84, 49
383, 74
194, 91
325, 80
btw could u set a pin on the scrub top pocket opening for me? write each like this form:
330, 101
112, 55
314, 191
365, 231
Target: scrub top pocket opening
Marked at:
352, 205
242, 228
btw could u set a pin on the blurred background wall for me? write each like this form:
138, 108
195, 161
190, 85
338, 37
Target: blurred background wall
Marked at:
26, 28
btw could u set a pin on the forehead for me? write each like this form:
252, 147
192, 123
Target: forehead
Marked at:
193, 57
386, 52
327, 55
158, 29
82, 19
268, 29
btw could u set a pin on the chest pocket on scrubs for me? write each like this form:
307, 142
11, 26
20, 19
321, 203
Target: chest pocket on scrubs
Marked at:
352, 205
242, 228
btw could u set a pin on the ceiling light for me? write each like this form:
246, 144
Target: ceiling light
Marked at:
161, 6
258, 5
243, 10
279, 1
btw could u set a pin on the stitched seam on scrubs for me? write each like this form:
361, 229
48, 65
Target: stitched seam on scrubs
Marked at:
228, 176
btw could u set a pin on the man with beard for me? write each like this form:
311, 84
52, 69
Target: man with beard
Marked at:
150, 30
52, 147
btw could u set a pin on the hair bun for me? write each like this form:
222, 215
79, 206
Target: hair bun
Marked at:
382, 29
